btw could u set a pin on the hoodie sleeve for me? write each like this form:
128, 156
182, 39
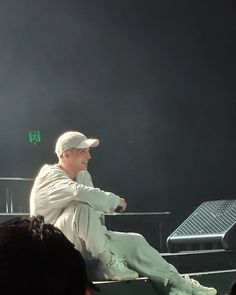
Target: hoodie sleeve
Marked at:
84, 178
63, 190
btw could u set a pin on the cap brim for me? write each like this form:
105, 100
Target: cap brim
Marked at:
90, 142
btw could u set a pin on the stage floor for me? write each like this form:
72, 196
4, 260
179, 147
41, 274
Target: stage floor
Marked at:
221, 280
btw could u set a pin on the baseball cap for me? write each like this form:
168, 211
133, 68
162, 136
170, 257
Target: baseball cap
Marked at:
74, 139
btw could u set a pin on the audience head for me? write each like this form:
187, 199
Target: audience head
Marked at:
233, 289
36, 258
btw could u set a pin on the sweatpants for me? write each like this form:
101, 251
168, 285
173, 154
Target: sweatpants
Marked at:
93, 238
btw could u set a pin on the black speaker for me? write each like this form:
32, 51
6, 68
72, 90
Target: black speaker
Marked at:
211, 226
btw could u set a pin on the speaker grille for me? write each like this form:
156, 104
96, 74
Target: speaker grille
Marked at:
211, 217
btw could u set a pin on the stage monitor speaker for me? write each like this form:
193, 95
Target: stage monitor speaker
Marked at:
211, 226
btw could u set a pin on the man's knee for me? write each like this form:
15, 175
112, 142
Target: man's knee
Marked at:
137, 239
84, 210
84, 206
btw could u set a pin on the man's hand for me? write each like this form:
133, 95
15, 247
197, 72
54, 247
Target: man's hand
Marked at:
122, 205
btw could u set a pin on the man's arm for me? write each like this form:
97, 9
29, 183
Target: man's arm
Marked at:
86, 179
62, 191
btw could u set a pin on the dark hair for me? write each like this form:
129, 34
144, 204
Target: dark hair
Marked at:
36, 258
233, 289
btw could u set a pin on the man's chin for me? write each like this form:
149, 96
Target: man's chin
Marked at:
85, 168
82, 169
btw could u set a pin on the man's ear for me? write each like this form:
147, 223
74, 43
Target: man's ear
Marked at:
66, 154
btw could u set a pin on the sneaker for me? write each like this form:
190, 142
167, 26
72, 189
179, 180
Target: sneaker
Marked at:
116, 270
188, 286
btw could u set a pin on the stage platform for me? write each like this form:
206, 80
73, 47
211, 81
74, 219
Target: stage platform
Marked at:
202, 261
221, 280
216, 268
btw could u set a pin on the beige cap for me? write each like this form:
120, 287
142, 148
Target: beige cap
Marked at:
74, 139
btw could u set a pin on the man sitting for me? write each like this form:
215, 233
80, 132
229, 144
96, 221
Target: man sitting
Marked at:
65, 195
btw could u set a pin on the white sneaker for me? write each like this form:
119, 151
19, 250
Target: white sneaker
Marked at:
116, 270
188, 286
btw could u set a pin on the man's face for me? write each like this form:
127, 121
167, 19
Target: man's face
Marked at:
78, 159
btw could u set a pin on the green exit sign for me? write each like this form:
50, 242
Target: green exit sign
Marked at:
34, 137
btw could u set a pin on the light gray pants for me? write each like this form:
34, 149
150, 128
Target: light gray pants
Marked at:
94, 238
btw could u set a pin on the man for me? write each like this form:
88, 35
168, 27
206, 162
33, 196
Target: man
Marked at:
36, 258
65, 195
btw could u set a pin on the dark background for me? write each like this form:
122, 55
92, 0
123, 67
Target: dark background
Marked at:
153, 80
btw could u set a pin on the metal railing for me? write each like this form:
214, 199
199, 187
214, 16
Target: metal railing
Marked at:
9, 199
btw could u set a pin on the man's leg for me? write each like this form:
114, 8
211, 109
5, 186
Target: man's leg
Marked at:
82, 227
90, 234
147, 261
91, 239
140, 256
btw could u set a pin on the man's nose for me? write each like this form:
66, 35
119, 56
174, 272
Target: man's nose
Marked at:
89, 155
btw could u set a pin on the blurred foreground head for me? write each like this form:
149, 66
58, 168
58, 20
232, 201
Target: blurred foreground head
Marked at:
233, 289
36, 258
